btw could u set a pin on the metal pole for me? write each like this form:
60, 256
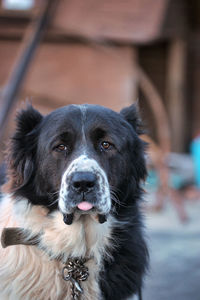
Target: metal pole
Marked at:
32, 40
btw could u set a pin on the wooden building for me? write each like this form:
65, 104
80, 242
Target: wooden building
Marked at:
94, 51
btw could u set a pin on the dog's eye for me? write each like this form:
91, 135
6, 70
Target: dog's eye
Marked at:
105, 145
61, 148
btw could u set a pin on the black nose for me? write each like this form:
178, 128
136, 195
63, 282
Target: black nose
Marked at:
83, 181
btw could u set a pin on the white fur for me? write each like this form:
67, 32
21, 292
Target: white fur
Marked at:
28, 273
85, 164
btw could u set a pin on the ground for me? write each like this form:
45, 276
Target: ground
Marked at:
175, 255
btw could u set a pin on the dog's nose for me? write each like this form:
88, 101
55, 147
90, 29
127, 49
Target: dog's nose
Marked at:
83, 181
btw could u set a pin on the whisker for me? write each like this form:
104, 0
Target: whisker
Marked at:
54, 193
115, 189
115, 198
54, 202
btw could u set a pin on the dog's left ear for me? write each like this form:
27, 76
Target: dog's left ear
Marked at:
132, 116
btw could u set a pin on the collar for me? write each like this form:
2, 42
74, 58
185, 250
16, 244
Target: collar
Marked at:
18, 236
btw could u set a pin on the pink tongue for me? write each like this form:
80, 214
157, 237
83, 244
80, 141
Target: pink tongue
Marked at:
85, 205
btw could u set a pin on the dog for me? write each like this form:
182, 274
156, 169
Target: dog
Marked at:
71, 226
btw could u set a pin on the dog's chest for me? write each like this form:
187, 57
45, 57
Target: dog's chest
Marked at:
28, 272
38, 278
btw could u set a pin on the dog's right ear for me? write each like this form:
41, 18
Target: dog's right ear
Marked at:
27, 120
23, 146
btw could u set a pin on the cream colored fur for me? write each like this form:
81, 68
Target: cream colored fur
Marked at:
28, 273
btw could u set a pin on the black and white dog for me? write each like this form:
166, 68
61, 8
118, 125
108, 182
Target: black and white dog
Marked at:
73, 196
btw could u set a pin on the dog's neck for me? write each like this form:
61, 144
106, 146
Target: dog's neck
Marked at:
86, 237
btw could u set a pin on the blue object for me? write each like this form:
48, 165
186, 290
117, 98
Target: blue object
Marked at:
176, 181
195, 151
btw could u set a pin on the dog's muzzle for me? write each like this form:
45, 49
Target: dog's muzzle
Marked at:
84, 190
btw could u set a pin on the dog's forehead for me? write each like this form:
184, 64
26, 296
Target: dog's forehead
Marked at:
74, 117
65, 116
98, 113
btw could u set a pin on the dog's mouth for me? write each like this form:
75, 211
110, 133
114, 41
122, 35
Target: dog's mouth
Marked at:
84, 208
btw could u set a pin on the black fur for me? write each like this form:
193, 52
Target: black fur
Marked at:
36, 168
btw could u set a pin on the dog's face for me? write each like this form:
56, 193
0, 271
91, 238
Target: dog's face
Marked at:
80, 159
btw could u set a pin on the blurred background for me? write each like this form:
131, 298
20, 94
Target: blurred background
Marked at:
115, 53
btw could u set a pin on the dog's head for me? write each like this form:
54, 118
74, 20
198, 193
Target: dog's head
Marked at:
80, 159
